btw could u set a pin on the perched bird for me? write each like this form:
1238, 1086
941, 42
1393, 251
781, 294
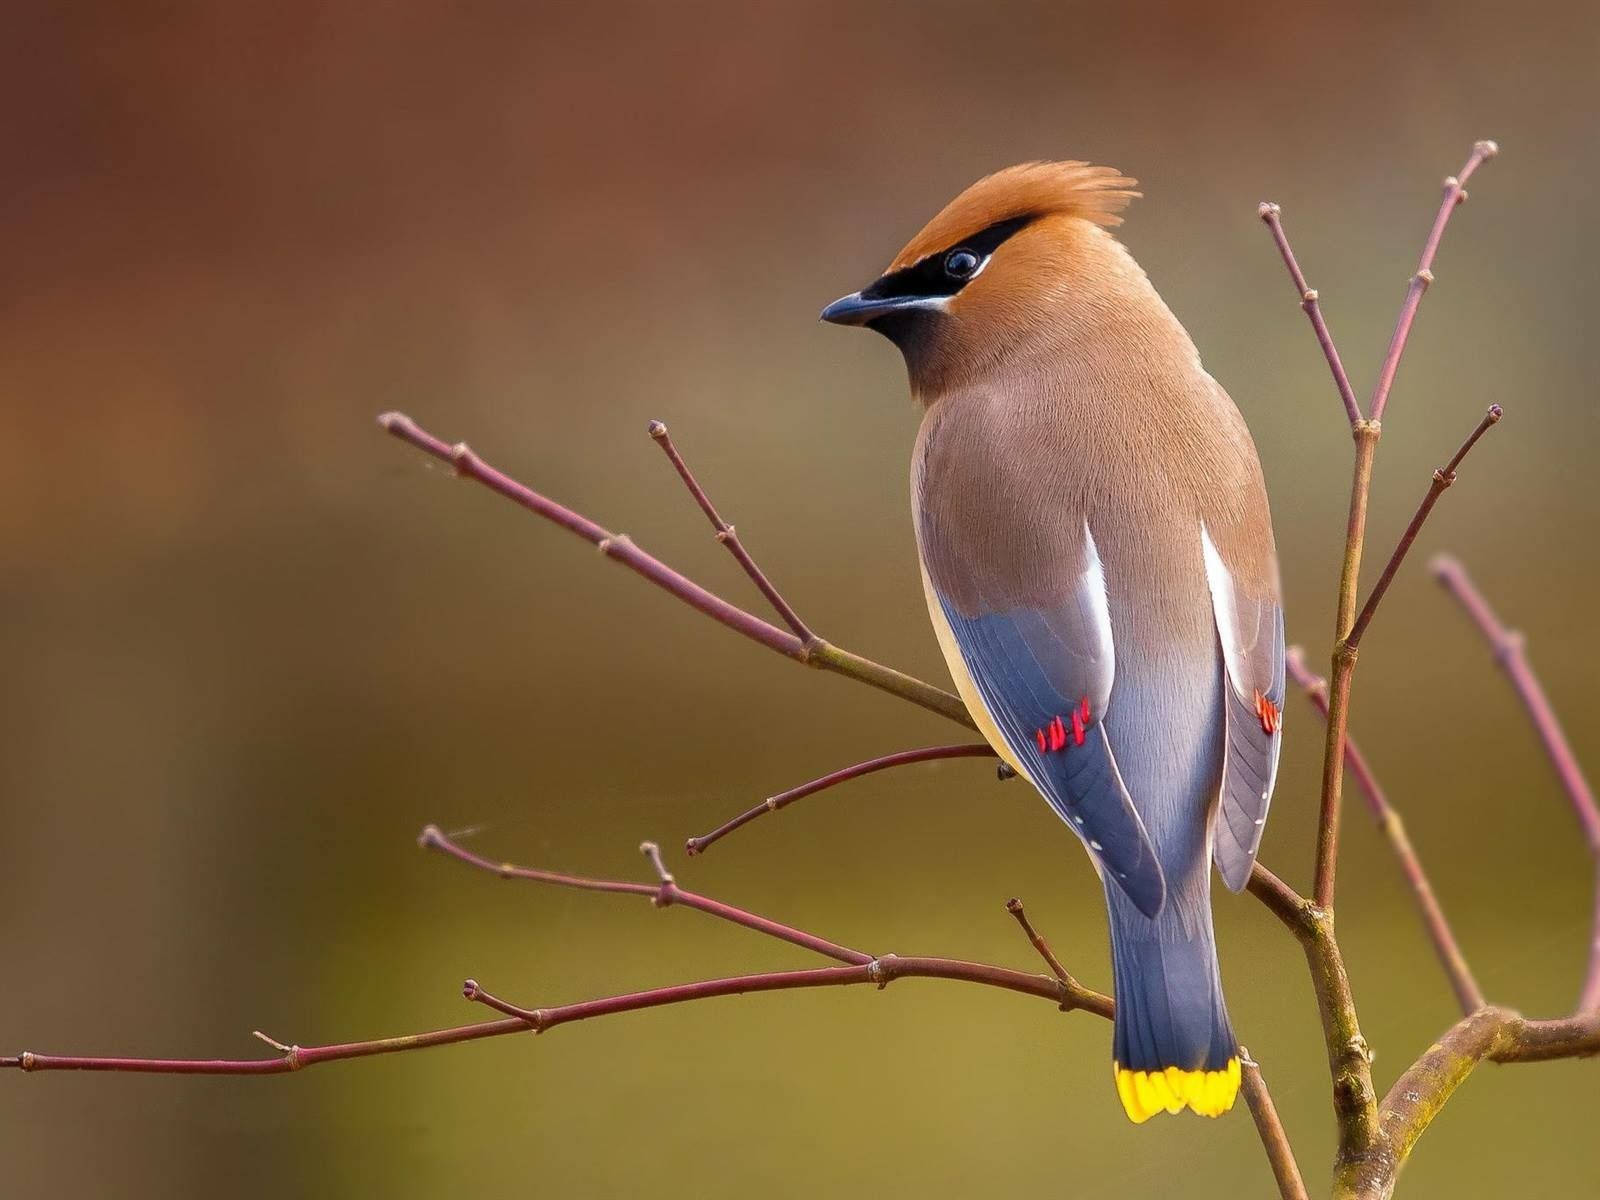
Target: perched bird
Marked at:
1099, 566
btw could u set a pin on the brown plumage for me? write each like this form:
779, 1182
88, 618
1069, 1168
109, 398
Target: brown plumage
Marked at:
1095, 539
1073, 189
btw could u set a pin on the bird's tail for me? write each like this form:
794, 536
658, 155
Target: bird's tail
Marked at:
1173, 1047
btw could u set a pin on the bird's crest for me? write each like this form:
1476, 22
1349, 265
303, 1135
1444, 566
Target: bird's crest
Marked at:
1034, 189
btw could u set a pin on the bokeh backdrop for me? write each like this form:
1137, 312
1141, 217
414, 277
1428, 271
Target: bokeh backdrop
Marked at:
251, 645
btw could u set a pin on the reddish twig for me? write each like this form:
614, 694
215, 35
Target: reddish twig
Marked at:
1509, 653
1366, 433
878, 971
662, 894
728, 536
667, 891
612, 545
1468, 994
1355, 1103
1442, 479
1272, 214
1280, 1156
1342, 670
816, 652
1014, 907
697, 845
292, 1058
1066, 993
1455, 193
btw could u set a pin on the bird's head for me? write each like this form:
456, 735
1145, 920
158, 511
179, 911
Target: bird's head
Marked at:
1006, 262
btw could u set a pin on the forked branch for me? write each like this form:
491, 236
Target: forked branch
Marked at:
1354, 1098
1468, 994
729, 536
814, 652
1510, 653
1366, 432
859, 967
1442, 479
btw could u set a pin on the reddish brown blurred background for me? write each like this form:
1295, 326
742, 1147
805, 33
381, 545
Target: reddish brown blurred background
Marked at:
252, 645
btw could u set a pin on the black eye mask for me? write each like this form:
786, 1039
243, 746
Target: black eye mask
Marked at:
931, 277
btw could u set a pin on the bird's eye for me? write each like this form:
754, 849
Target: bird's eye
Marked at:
960, 264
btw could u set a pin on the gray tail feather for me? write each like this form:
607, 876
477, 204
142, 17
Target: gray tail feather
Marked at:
1170, 1011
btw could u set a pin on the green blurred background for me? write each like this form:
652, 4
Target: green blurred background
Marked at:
252, 645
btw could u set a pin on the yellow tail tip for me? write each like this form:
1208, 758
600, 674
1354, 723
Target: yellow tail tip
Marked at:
1146, 1093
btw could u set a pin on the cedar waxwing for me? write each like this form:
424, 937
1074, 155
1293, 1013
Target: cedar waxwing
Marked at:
1099, 566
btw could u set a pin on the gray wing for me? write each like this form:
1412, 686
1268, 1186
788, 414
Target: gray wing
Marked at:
1250, 632
1045, 676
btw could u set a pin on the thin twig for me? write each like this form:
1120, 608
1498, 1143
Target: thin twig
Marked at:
1442, 479
613, 545
880, 970
668, 892
1366, 434
1509, 652
1280, 1155
697, 845
728, 536
297, 1057
815, 653
662, 894
1272, 214
1342, 671
1355, 1103
1455, 193
1468, 994
1014, 907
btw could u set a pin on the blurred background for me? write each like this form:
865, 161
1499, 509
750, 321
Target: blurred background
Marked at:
252, 645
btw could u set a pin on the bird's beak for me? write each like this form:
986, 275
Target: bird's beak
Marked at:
858, 308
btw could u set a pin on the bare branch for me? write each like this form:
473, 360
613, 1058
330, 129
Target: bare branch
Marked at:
879, 972
1066, 994
1366, 434
728, 536
666, 893
1455, 193
1493, 1034
697, 845
296, 1058
1296, 912
1468, 994
1280, 1155
815, 653
1014, 907
1442, 479
1343, 669
1509, 653
669, 892
1353, 628
1273, 216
